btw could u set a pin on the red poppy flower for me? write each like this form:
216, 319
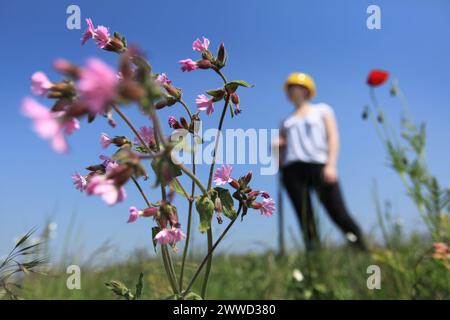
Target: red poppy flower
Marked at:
377, 77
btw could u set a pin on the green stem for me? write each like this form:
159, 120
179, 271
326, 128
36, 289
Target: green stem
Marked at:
209, 254
219, 131
167, 259
209, 234
189, 222
186, 108
132, 127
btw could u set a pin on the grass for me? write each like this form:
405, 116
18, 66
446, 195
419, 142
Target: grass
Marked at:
407, 272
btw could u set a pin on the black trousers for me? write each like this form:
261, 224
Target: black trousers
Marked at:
300, 178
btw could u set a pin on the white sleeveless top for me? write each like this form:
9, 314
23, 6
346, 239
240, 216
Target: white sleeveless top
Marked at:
306, 136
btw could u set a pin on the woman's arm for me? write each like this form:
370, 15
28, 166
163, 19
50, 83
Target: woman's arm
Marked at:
330, 171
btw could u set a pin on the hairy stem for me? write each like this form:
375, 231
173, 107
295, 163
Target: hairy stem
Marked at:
189, 222
211, 172
132, 127
209, 254
167, 259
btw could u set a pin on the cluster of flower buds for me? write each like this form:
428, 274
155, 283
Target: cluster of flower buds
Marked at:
191, 127
208, 60
105, 180
165, 214
243, 192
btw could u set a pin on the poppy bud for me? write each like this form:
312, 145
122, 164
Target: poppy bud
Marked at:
380, 118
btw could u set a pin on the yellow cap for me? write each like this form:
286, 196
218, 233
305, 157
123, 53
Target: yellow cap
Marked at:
301, 79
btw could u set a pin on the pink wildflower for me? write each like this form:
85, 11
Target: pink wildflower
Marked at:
268, 207
105, 140
101, 36
172, 121
134, 214
188, 65
177, 234
40, 84
200, 46
222, 175
162, 79
204, 103
106, 188
89, 32
49, 125
97, 85
170, 236
164, 236
147, 134
79, 181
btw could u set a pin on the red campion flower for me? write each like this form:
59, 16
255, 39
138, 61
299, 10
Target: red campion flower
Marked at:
377, 77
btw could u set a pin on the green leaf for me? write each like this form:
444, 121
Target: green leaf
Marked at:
216, 93
139, 286
165, 165
192, 296
233, 85
205, 208
155, 231
176, 186
227, 202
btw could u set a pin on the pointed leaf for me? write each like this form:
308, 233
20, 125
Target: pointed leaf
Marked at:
205, 208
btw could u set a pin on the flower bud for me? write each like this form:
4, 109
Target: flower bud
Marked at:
207, 55
150, 212
221, 56
67, 68
248, 177
120, 141
204, 64
96, 168
161, 104
120, 174
218, 205
255, 205
235, 184
115, 44
174, 92
184, 123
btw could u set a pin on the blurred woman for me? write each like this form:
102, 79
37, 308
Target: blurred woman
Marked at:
309, 144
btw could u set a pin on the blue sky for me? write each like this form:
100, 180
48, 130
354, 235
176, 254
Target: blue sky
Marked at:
266, 40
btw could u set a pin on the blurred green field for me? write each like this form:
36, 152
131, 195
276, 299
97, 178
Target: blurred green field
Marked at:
407, 272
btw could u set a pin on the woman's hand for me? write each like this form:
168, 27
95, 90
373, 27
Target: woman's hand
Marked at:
329, 174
